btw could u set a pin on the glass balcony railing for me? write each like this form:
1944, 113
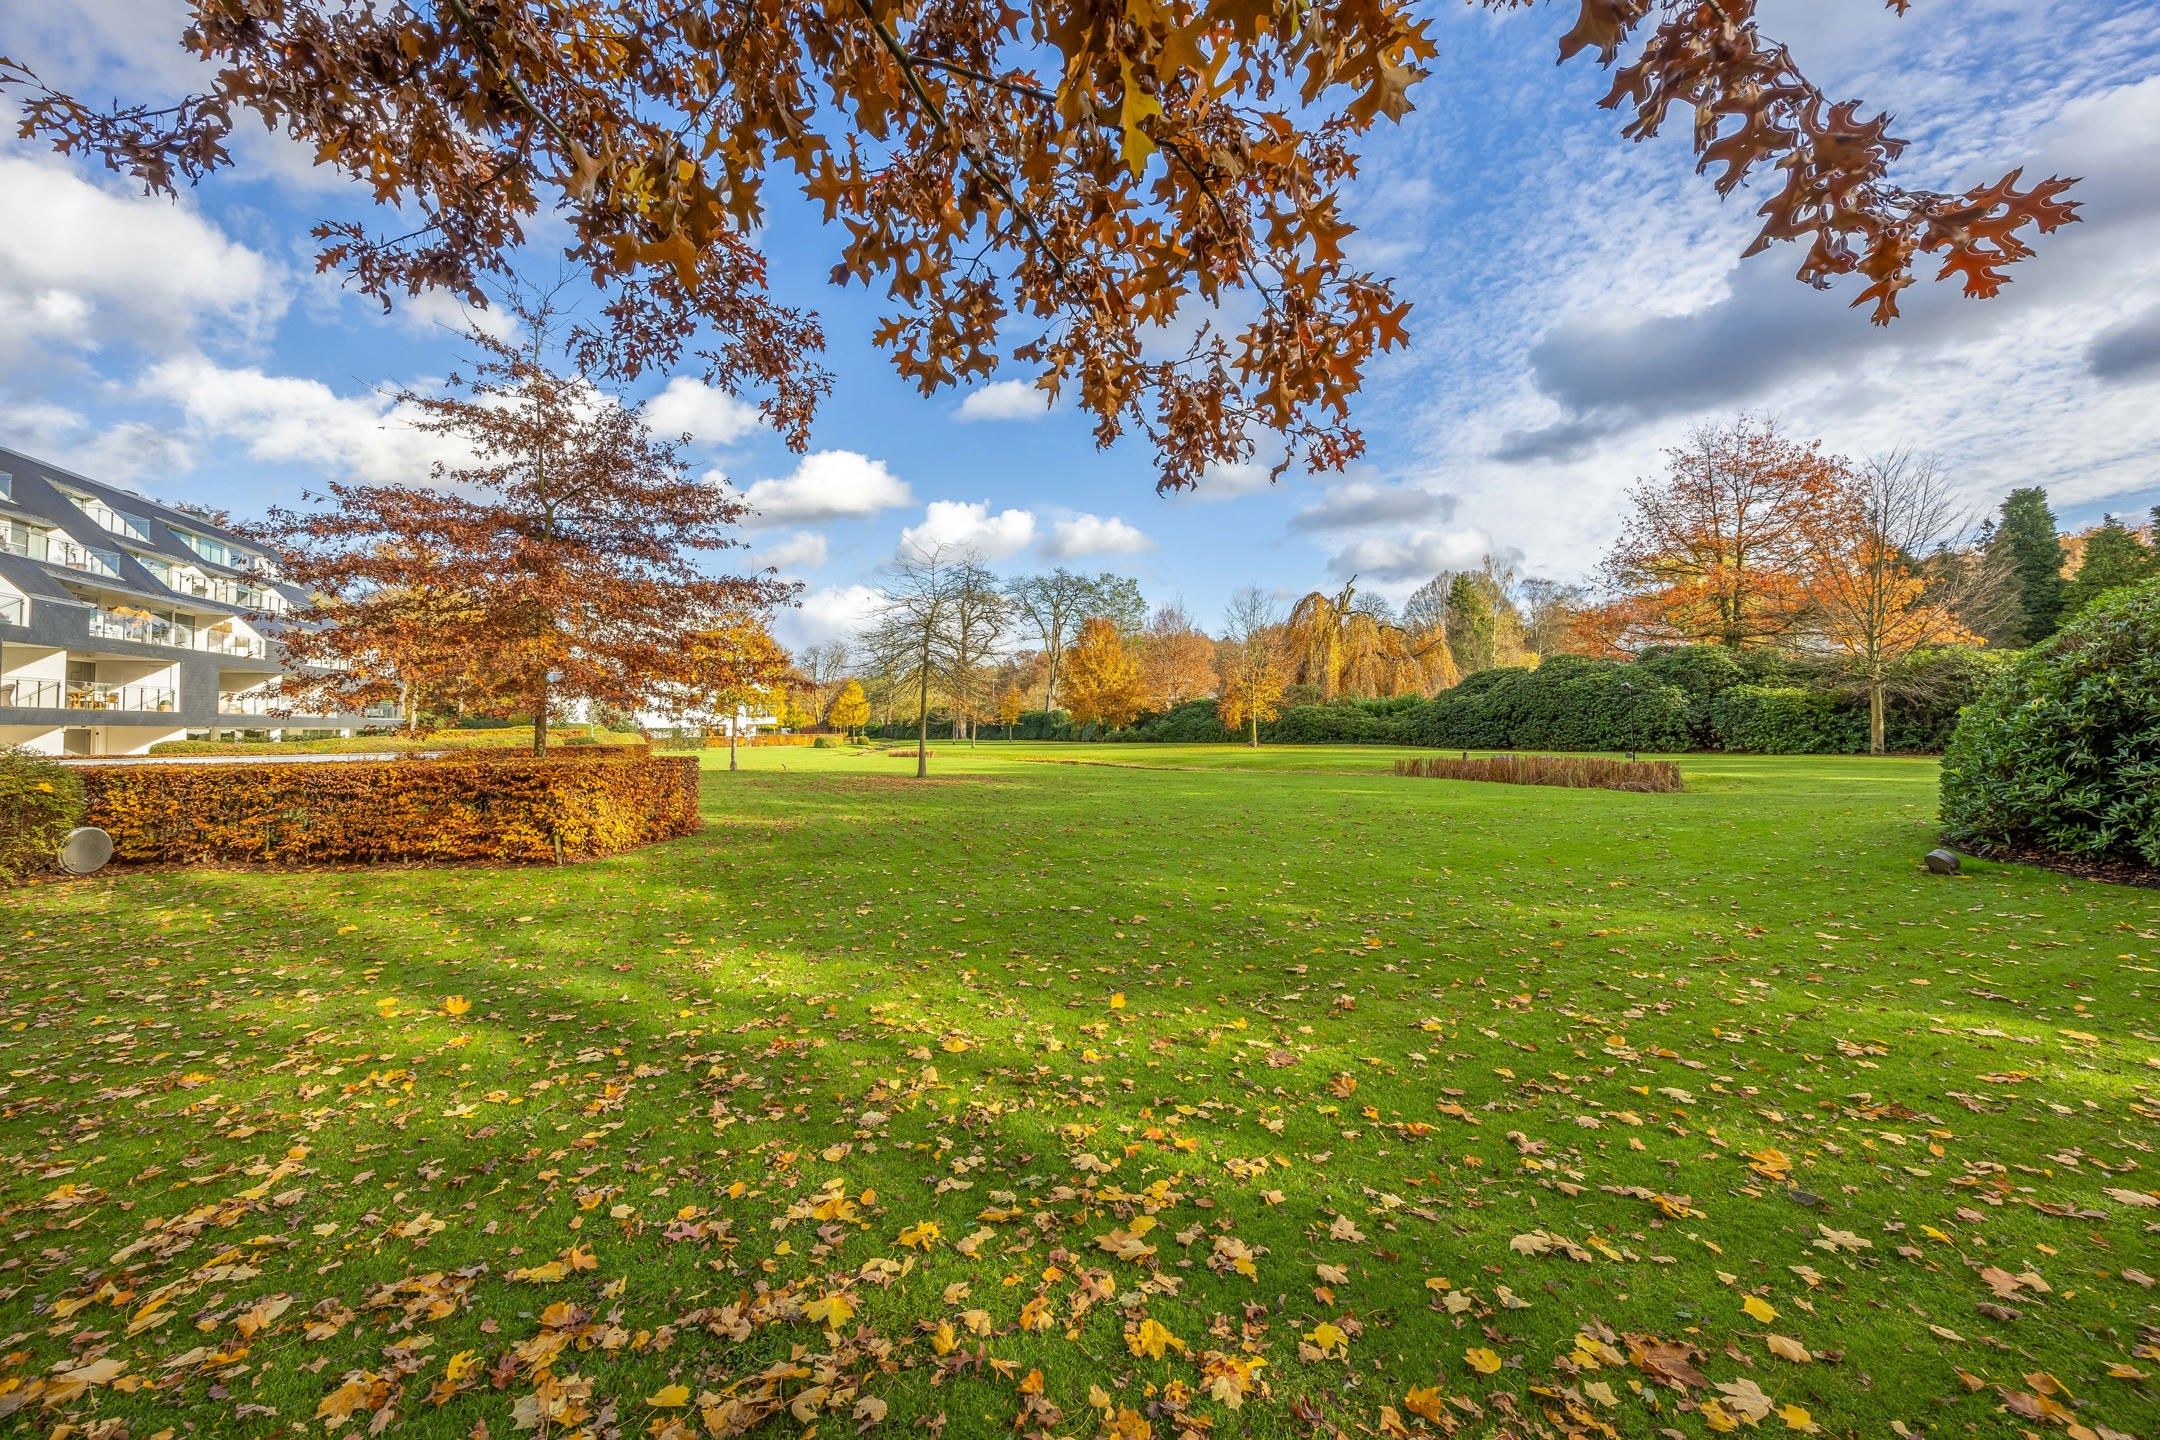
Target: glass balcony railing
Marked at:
223, 643
23, 694
56, 549
14, 610
117, 521
141, 629
243, 702
97, 695
235, 702
227, 592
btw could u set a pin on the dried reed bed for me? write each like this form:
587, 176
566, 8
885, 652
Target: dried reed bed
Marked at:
1573, 772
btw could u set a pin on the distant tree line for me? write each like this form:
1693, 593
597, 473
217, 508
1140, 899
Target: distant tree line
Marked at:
1763, 595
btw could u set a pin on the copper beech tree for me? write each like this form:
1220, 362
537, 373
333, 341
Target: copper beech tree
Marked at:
1036, 185
1866, 553
1711, 551
556, 561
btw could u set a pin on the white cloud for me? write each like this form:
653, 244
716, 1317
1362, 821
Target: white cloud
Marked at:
1232, 482
1004, 400
1414, 557
290, 420
1095, 535
803, 550
709, 417
438, 312
1356, 504
969, 525
829, 612
81, 266
827, 485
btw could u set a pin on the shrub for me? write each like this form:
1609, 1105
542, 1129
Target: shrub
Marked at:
1786, 720
1700, 672
1568, 703
2061, 753
1574, 772
40, 801
1042, 725
1341, 722
494, 807
1196, 722
1929, 687
824, 742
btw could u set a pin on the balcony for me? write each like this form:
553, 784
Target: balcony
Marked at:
97, 695
227, 592
14, 610
220, 643
119, 522
141, 629
246, 702
25, 694
56, 549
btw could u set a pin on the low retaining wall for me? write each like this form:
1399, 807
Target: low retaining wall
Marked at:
517, 808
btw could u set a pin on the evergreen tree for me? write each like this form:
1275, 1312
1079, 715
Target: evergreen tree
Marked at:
1471, 626
2028, 535
2113, 556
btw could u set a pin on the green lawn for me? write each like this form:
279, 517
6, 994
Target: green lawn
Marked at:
1087, 1098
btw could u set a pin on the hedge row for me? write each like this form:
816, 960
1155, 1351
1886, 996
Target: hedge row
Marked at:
493, 807
1676, 698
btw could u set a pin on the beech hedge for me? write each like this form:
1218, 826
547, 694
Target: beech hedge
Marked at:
499, 807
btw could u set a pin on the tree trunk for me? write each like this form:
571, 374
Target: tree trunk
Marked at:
1254, 720
922, 715
1875, 725
540, 721
734, 736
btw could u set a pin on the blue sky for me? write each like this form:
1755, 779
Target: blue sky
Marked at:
1580, 303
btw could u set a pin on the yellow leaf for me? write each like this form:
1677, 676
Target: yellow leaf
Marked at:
831, 1311
1786, 1348
667, 1397
1117, 1001
1484, 1361
1151, 1338
1136, 106
455, 1005
1796, 1418
1760, 1308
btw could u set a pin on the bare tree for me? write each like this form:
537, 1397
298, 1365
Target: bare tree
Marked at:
1253, 662
976, 616
914, 612
1058, 603
823, 668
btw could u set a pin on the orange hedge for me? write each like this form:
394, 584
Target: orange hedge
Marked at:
501, 807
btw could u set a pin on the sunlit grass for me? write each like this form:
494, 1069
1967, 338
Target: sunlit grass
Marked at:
1272, 1000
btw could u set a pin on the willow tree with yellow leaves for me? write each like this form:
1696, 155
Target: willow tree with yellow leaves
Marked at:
1348, 653
1038, 186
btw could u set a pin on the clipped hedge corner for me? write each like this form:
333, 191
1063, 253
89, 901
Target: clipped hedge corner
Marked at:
514, 808
40, 802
